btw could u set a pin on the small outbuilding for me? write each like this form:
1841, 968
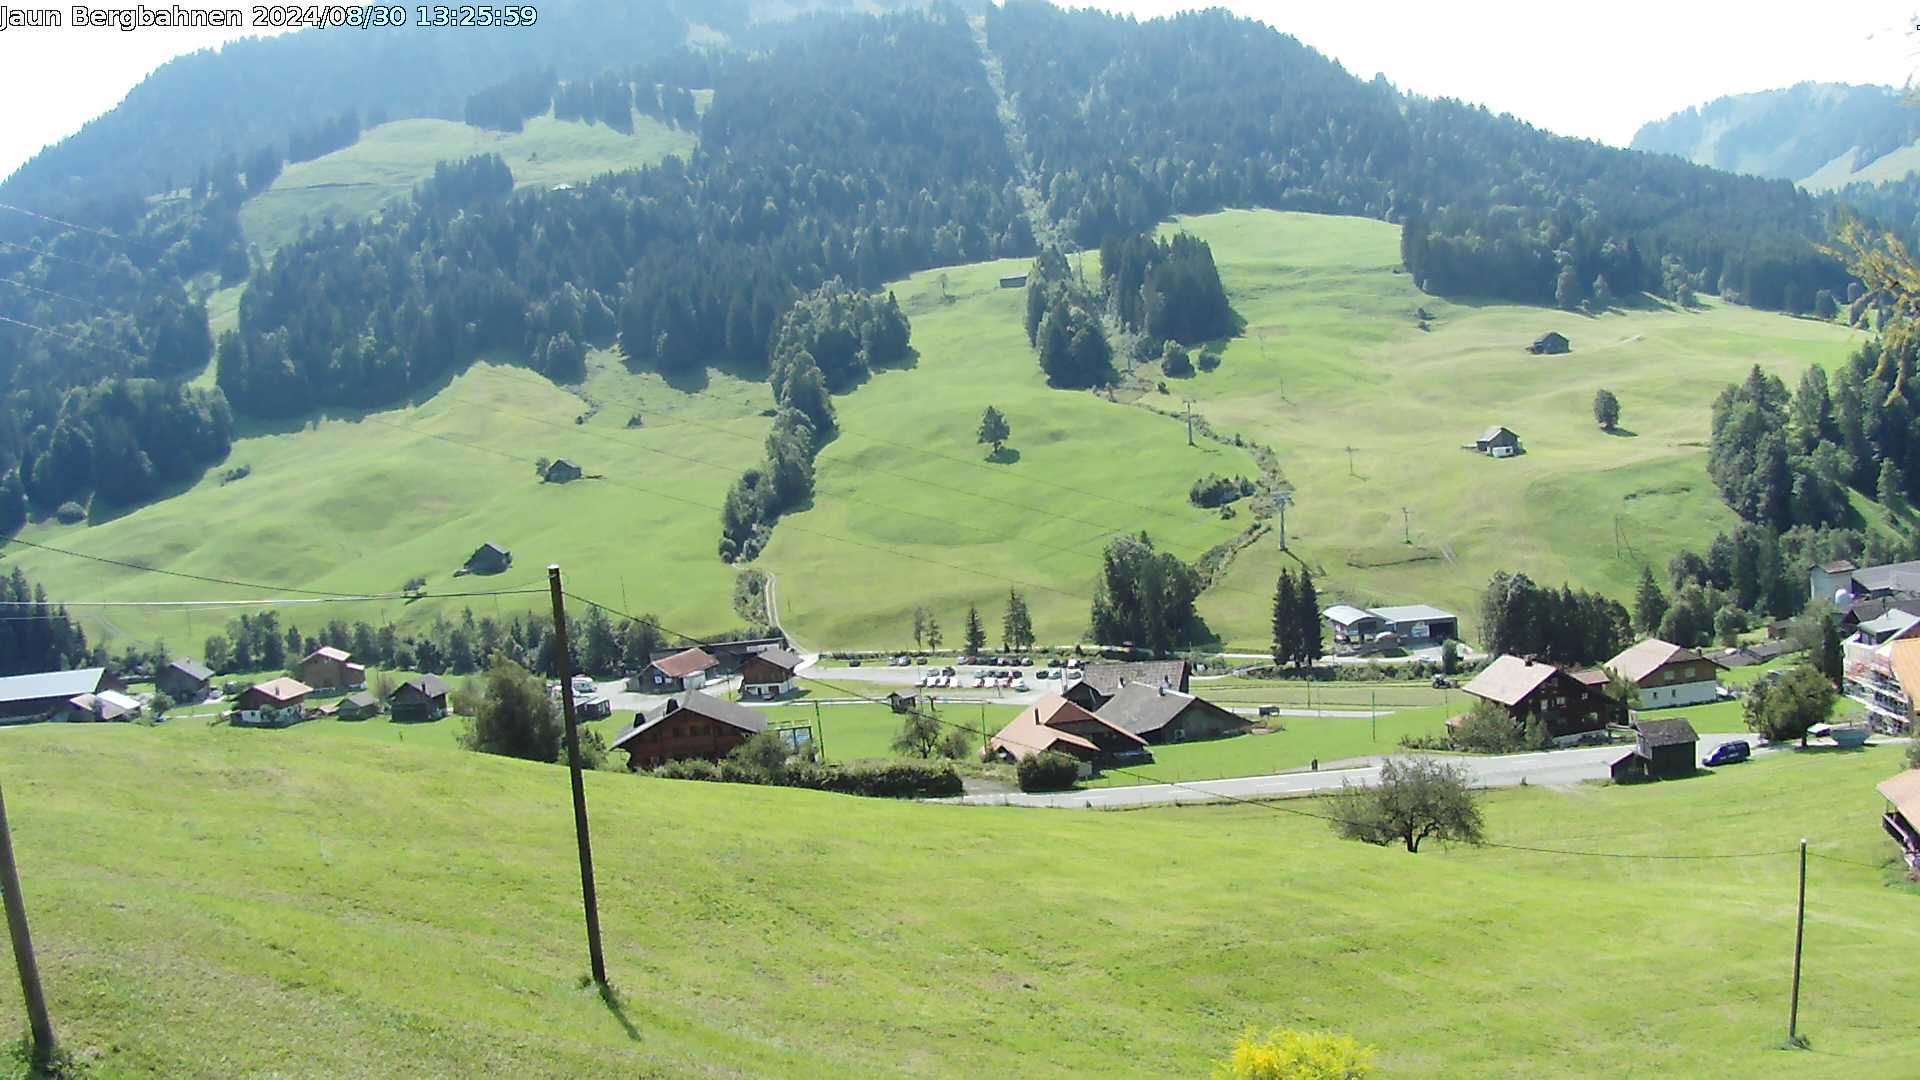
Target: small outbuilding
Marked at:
1498, 441
1663, 750
1551, 343
359, 705
1013, 281
768, 673
488, 558
184, 680
1902, 817
688, 669
562, 471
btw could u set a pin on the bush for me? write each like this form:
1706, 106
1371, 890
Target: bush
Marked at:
70, 513
1047, 771
1177, 363
1209, 360
886, 779
1211, 491
1296, 1055
161, 704
1487, 730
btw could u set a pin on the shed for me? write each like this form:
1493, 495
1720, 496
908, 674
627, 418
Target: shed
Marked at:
1013, 281
1497, 438
562, 471
1551, 343
183, 680
489, 558
358, 705
687, 669
1668, 747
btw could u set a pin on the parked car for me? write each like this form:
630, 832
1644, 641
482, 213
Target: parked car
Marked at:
1020, 684
1441, 682
1729, 753
948, 671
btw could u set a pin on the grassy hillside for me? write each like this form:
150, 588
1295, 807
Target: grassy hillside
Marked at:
1848, 169
221, 901
390, 159
910, 512
1332, 358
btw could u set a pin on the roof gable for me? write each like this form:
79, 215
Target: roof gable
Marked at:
1107, 678
1141, 709
1675, 732
51, 684
1510, 679
684, 663
780, 658
328, 652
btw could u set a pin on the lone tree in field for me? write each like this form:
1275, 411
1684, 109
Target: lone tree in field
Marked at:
994, 430
1784, 708
976, 637
1606, 409
919, 626
920, 734
1016, 628
515, 717
933, 633
1416, 799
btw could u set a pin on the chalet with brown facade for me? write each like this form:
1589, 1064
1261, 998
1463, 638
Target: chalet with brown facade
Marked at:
184, 680
1057, 724
274, 703
418, 700
768, 673
328, 668
1668, 674
1902, 817
1662, 750
688, 669
359, 705
1571, 707
688, 725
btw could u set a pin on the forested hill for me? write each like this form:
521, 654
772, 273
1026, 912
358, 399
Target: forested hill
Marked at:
1790, 134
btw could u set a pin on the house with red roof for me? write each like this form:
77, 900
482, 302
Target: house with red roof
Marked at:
1056, 724
688, 669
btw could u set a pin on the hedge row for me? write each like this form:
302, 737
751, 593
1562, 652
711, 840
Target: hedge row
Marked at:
887, 779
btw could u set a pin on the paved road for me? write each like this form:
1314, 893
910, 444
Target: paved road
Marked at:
1553, 767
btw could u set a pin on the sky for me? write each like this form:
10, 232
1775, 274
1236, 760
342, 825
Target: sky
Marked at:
1592, 70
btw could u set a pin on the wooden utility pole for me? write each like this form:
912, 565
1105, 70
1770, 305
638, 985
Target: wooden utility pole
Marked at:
1189, 421
565, 663
1280, 503
37, 1019
1799, 938
1350, 471
1406, 524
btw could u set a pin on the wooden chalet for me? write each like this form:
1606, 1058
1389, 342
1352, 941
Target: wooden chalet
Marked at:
328, 668
184, 680
1160, 715
768, 673
1057, 724
1099, 682
688, 725
419, 699
1571, 707
274, 703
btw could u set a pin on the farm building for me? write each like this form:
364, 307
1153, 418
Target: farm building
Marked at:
903, 701
1099, 682
592, 707
1160, 715
1551, 343
328, 668
359, 705
1571, 707
274, 703
105, 706
562, 471
1829, 581
1875, 608
419, 699
1055, 723
688, 725
1013, 281
1902, 817
1668, 674
24, 696
1497, 441
684, 670
768, 674
1663, 750
488, 558
183, 680
1418, 623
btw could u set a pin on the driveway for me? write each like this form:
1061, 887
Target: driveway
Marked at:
1552, 767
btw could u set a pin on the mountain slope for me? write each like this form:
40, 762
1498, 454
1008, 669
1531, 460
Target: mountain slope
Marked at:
1820, 135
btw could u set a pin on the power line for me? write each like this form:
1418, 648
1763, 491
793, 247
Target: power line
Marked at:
77, 341
123, 564
117, 238
47, 254
56, 295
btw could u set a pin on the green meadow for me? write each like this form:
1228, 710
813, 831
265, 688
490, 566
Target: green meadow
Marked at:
214, 902
388, 160
910, 512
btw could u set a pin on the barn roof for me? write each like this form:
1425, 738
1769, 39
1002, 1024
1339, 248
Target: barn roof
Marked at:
1903, 791
1142, 709
1346, 614
426, 685
780, 658
192, 669
283, 690
1642, 659
684, 663
699, 704
1493, 433
1414, 613
1675, 732
1107, 678
328, 652
50, 684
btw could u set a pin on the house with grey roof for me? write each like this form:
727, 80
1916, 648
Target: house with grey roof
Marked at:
24, 697
1412, 624
1099, 682
1161, 715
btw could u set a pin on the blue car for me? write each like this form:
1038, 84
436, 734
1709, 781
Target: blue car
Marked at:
1729, 753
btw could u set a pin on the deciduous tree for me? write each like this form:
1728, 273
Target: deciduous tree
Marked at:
1416, 799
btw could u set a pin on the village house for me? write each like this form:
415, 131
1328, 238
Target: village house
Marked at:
184, 680
1662, 750
688, 725
1497, 441
329, 669
1571, 707
28, 696
274, 703
1551, 343
1902, 817
768, 674
420, 699
1099, 682
488, 558
1159, 715
562, 471
1842, 583
1668, 674
1057, 724
1886, 680
105, 706
684, 670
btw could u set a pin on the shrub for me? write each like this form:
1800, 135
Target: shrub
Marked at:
1047, 771
70, 513
1296, 1055
161, 704
886, 779
1487, 730
1209, 360
1211, 491
1177, 362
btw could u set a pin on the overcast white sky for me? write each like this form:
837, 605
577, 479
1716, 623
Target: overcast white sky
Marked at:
1594, 70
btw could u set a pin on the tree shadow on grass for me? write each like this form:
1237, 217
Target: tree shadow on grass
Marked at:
1619, 432
1006, 455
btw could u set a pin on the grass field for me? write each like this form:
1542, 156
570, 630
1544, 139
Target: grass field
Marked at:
1302, 740
909, 512
233, 902
1331, 359
390, 159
